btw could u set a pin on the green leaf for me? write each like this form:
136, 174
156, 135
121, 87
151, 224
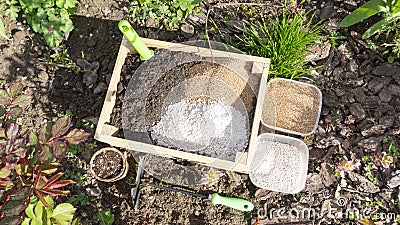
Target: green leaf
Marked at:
15, 112
22, 101
3, 30
63, 213
380, 25
46, 154
105, 217
49, 168
29, 211
33, 139
38, 210
4, 97
26, 221
2, 111
15, 89
179, 14
13, 12
4, 172
60, 3
61, 126
22, 169
363, 12
44, 133
69, 4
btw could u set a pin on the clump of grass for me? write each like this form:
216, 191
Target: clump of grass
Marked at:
285, 41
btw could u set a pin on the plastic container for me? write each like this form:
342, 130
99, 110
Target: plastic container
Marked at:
279, 169
292, 131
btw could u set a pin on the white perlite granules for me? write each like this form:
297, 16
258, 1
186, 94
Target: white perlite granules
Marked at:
210, 128
280, 169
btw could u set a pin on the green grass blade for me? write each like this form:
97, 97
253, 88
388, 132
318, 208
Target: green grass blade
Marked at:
380, 26
363, 12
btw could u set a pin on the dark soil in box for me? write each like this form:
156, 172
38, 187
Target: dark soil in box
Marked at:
153, 91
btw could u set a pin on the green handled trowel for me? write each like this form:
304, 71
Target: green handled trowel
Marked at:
235, 203
133, 38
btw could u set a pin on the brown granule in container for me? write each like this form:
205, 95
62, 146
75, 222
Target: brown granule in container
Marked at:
291, 106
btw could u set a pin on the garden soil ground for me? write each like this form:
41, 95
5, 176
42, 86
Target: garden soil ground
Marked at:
361, 108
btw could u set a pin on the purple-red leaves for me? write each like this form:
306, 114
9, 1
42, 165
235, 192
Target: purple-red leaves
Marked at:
45, 154
44, 133
15, 112
77, 136
50, 186
5, 98
27, 175
61, 126
15, 89
22, 101
60, 149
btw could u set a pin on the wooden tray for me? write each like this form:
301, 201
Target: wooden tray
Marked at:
105, 132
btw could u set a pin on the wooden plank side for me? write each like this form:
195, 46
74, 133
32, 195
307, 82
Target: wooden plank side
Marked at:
104, 132
171, 153
204, 52
257, 114
111, 95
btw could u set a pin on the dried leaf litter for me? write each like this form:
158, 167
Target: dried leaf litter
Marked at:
211, 128
291, 106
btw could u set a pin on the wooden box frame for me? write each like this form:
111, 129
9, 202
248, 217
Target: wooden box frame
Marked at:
104, 132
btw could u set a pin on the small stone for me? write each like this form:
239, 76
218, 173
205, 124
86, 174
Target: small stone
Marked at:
376, 84
327, 10
374, 130
320, 50
188, 30
151, 22
394, 89
359, 95
93, 191
314, 183
362, 183
326, 174
329, 99
387, 121
385, 95
353, 66
327, 141
91, 42
100, 88
346, 144
386, 69
370, 144
90, 76
395, 181
357, 110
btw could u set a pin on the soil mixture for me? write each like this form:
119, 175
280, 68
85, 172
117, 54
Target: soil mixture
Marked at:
171, 77
361, 107
107, 164
291, 106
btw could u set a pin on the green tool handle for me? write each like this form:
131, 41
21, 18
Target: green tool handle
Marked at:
133, 38
235, 203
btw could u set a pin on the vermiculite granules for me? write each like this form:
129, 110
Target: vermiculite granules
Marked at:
210, 128
291, 106
280, 169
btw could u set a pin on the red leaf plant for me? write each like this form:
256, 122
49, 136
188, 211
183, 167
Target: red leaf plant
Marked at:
28, 162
